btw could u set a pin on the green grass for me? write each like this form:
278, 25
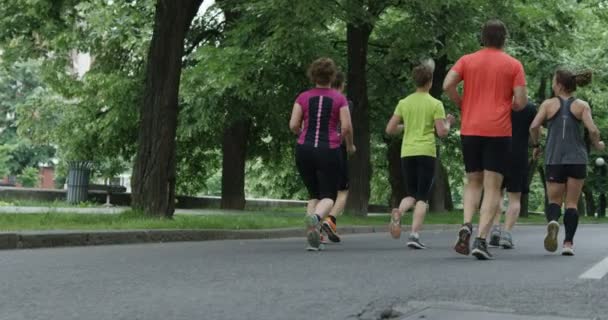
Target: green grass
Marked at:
246, 220
49, 204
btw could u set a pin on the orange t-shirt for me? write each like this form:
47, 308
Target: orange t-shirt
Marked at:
489, 77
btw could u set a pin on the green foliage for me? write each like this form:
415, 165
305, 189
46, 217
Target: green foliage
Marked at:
252, 68
30, 177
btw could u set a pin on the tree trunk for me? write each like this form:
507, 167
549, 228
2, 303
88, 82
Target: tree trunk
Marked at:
588, 194
357, 37
395, 176
234, 152
441, 195
525, 204
154, 168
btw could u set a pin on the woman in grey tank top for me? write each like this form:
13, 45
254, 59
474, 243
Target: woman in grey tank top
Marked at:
565, 153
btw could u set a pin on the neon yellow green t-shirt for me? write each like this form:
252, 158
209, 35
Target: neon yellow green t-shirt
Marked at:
419, 111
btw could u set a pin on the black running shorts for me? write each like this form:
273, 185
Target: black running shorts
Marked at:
486, 153
419, 172
319, 169
559, 173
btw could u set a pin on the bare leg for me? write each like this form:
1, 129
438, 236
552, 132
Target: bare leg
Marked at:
338, 207
419, 214
513, 210
394, 227
310, 207
472, 195
491, 201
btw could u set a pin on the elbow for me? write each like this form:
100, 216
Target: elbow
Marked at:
389, 131
446, 87
294, 128
519, 104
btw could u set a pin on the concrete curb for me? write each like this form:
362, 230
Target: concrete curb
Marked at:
50, 239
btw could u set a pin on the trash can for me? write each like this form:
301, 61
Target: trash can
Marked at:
78, 181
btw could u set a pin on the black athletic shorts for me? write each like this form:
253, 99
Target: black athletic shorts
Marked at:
419, 172
559, 173
343, 182
486, 153
319, 169
516, 178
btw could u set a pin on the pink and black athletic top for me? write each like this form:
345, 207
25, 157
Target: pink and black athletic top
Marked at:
321, 117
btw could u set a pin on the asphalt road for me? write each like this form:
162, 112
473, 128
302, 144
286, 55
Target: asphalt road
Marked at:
365, 277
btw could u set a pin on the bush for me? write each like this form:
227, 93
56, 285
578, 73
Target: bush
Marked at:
29, 178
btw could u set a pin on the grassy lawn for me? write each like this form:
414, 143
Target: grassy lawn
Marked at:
247, 220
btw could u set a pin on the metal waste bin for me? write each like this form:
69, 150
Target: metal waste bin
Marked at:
78, 181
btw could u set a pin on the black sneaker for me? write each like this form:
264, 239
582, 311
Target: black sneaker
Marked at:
462, 245
414, 243
480, 250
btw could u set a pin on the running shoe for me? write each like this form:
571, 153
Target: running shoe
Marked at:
506, 240
495, 237
312, 233
568, 249
414, 242
462, 245
330, 229
551, 237
480, 250
394, 227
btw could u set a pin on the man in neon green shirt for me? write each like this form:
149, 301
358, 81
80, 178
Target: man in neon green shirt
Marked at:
421, 115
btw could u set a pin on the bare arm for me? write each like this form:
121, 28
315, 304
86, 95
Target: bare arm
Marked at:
535, 127
346, 128
394, 126
442, 126
450, 84
295, 123
520, 98
594, 132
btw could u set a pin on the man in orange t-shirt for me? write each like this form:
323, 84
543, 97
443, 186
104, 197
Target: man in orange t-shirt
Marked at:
494, 84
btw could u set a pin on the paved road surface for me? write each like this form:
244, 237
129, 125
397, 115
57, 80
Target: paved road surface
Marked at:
362, 278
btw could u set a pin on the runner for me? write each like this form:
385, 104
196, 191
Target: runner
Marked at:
422, 115
566, 153
516, 178
330, 223
315, 118
494, 84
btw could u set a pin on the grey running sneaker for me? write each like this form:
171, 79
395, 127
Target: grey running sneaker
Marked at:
323, 239
414, 242
551, 237
506, 241
462, 245
480, 250
495, 237
312, 233
568, 249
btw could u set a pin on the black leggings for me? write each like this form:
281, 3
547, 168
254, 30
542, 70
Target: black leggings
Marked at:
419, 172
319, 169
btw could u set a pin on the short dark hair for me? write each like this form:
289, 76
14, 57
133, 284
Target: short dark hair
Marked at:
494, 34
322, 71
571, 80
422, 74
338, 80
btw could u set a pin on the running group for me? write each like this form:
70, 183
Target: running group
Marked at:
498, 125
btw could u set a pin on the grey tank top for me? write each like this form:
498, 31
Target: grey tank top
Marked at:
565, 140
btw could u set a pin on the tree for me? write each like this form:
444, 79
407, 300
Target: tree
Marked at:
154, 170
361, 17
